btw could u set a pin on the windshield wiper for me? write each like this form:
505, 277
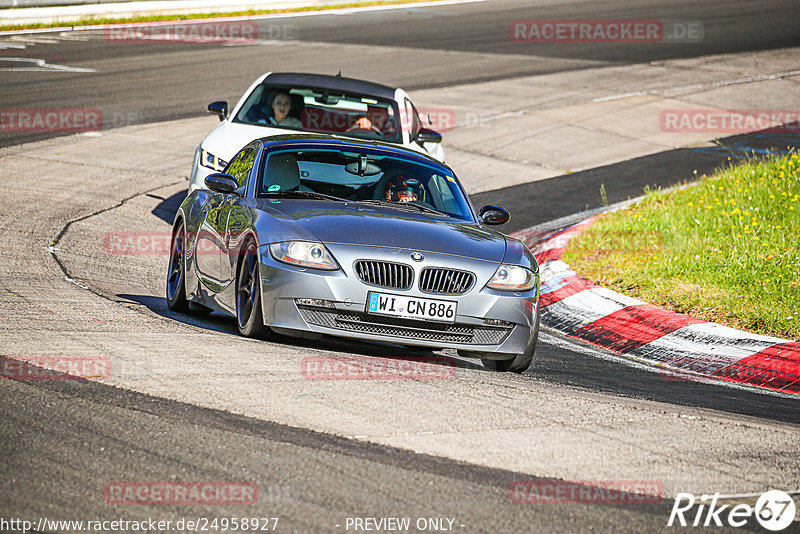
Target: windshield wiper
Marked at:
420, 207
310, 194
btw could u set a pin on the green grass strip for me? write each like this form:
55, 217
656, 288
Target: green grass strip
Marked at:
724, 249
91, 21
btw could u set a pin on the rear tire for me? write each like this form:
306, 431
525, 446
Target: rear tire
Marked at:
249, 317
176, 274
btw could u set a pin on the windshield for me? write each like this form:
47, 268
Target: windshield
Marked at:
364, 176
321, 111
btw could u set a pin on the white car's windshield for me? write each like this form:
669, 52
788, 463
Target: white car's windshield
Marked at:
321, 111
365, 177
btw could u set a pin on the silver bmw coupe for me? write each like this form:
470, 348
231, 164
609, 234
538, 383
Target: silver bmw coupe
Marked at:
311, 235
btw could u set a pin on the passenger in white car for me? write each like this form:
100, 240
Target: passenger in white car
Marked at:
281, 109
275, 109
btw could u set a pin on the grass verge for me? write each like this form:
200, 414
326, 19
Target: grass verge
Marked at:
93, 21
725, 249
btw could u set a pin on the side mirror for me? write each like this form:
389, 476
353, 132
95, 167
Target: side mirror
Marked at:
221, 183
494, 215
426, 135
219, 108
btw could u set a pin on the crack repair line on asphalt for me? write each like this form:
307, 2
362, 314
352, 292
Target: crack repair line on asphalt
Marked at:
700, 86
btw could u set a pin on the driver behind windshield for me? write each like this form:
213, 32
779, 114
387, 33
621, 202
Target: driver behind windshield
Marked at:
403, 190
362, 123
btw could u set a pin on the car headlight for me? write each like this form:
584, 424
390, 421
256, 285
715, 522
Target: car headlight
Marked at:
209, 160
304, 254
513, 278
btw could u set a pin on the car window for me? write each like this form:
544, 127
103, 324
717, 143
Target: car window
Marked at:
366, 176
241, 165
320, 111
416, 122
448, 199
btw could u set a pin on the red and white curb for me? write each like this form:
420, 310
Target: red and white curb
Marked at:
578, 308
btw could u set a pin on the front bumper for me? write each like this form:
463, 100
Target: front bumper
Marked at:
486, 320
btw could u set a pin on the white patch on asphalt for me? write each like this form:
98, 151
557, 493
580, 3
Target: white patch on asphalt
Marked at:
23, 64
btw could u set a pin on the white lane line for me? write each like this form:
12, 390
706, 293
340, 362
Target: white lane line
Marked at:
352, 10
73, 36
33, 40
272, 42
38, 30
700, 86
324, 12
38, 65
12, 46
490, 118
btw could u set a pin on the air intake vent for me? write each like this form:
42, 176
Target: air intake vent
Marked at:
385, 274
445, 281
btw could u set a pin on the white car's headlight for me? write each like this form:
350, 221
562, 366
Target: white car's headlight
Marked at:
513, 278
304, 254
207, 159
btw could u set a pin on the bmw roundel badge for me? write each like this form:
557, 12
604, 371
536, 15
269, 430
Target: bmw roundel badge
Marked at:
416, 256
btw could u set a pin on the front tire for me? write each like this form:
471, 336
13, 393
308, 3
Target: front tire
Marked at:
518, 363
249, 318
176, 274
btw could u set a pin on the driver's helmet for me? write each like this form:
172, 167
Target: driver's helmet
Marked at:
404, 189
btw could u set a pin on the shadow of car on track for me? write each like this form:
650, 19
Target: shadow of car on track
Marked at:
226, 325
168, 207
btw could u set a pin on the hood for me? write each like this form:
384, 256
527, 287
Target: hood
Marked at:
228, 138
363, 224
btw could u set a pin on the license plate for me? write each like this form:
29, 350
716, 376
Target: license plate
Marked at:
440, 311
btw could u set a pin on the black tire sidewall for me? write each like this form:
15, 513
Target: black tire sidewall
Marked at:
521, 362
254, 327
178, 302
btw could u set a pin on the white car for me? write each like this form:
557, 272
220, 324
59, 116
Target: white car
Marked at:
316, 104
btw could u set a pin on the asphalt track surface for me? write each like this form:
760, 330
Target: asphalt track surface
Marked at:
60, 439
150, 82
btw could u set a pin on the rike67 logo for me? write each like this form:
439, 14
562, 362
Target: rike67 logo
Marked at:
774, 510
